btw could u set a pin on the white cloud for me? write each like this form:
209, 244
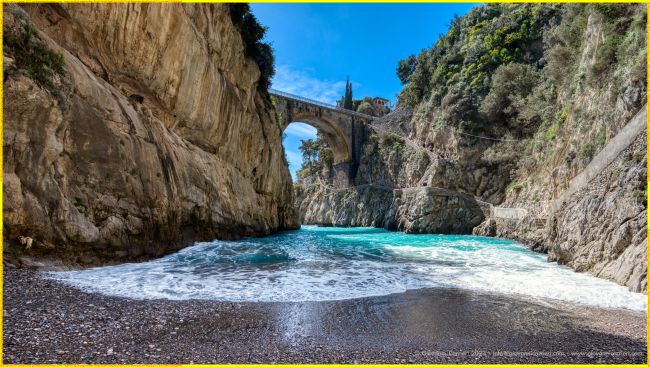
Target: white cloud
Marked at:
294, 157
304, 84
301, 131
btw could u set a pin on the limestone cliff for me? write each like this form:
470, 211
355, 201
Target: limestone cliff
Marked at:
153, 134
389, 160
413, 210
601, 228
540, 124
512, 104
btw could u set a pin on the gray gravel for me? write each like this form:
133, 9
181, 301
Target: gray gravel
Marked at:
48, 322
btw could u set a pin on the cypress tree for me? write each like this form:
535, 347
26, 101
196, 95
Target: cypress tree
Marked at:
347, 100
350, 98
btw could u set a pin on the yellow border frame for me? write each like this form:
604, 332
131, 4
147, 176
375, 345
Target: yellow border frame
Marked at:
300, 1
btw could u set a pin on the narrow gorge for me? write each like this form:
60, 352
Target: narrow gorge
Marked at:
144, 138
181, 184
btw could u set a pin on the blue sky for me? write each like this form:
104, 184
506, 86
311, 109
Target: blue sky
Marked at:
317, 45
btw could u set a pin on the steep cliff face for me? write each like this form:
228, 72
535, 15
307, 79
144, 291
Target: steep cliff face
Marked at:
388, 160
413, 210
513, 103
602, 228
515, 131
361, 206
154, 134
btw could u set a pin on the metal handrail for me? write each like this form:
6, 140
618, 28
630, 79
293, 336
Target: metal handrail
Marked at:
318, 103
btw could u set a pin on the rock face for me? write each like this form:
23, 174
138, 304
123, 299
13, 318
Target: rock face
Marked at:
415, 210
359, 206
433, 210
602, 228
155, 135
388, 160
487, 229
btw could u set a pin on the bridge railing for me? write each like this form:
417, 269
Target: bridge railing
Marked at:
318, 103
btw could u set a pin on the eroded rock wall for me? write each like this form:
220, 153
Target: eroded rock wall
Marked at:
413, 210
602, 228
156, 134
359, 206
387, 160
433, 210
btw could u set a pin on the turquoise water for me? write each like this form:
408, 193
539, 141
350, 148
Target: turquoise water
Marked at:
315, 264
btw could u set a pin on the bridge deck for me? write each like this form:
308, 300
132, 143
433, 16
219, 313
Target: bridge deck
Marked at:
278, 93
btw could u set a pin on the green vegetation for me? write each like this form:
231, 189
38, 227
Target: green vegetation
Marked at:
552, 131
254, 47
511, 84
317, 157
587, 151
516, 185
461, 62
502, 152
34, 57
499, 68
391, 143
405, 68
365, 107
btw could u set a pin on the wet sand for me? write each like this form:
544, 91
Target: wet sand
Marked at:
48, 322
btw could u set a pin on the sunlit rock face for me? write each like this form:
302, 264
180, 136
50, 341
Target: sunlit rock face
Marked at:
411, 210
155, 135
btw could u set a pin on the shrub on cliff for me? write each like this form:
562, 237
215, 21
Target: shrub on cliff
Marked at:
391, 143
253, 34
475, 45
33, 56
511, 84
365, 107
506, 65
405, 68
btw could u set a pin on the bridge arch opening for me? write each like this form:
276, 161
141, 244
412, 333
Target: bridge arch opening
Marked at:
319, 141
331, 133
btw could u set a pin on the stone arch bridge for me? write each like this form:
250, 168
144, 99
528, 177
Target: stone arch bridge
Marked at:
344, 130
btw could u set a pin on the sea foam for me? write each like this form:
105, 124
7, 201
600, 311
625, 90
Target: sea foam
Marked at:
317, 264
